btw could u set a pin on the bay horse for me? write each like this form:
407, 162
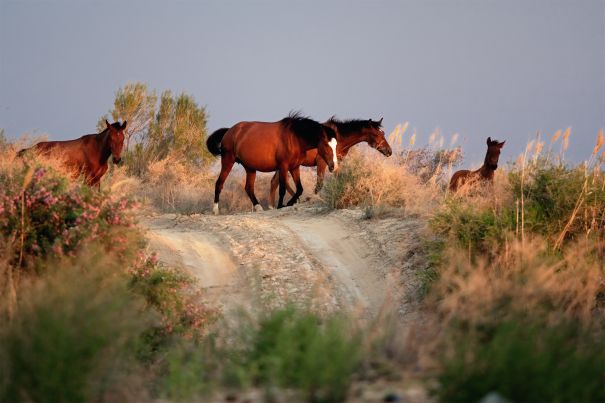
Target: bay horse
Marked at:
88, 154
271, 146
348, 134
485, 173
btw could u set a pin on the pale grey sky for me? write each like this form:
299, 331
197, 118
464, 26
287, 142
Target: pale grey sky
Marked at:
480, 68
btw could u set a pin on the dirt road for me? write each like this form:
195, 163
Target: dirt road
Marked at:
328, 260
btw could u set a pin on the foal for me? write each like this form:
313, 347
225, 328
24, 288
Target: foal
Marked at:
485, 173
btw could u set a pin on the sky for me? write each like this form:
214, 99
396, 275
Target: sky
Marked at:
506, 69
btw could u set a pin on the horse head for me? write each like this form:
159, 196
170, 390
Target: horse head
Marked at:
376, 139
327, 147
493, 153
116, 140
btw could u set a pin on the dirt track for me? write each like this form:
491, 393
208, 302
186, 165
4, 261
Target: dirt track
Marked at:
326, 260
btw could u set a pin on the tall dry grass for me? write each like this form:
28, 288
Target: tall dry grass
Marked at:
172, 185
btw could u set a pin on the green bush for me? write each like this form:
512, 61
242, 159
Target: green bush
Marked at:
551, 194
290, 349
557, 202
74, 335
525, 361
295, 349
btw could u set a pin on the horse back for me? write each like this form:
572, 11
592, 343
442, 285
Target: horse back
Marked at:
257, 145
459, 178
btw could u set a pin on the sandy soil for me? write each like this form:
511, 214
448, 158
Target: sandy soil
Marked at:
304, 255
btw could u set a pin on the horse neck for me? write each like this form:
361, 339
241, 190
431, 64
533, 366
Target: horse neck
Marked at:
348, 141
102, 144
485, 171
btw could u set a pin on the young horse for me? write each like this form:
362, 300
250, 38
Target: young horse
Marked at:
267, 147
485, 173
348, 133
87, 155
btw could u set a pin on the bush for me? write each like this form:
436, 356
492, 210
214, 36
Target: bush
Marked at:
56, 218
362, 181
74, 335
289, 349
526, 324
556, 202
526, 362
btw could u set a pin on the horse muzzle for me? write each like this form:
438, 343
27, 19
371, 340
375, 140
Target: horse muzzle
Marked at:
117, 160
386, 151
331, 166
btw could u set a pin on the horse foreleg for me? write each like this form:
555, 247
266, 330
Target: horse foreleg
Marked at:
321, 171
274, 184
250, 179
299, 189
227, 162
283, 177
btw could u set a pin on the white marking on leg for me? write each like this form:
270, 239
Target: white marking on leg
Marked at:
258, 207
332, 144
215, 209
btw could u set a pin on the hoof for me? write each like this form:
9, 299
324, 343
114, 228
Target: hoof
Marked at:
271, 207
215, 209
258, 207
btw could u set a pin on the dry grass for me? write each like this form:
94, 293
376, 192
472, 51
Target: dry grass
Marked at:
525, 279
379, 183
173, 186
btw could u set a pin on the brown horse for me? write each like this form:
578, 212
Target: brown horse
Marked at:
485, 173
348, 133
87, 155
268, 147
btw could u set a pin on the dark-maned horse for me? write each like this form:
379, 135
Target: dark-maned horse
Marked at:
268, 147
87, 155
485, 173
348, 133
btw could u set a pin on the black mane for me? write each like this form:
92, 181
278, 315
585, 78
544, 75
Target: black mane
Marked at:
306, 128
346, 127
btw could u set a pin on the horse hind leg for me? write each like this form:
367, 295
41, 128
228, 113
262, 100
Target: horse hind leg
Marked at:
299, 188
227, 162
274, 184
250, 179
283, 177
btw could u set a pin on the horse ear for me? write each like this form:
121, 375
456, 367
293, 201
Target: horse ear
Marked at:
380, 121
107, 123
500, 145
124, 125
489, 141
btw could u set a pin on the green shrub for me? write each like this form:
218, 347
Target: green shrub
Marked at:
525, 362
556, 202
295, 349
551, 194
74, 335
289, 349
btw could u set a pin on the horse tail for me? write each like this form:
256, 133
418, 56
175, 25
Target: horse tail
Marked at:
213, 143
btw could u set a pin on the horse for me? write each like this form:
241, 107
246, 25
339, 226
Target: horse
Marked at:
348, 134
485, 173
268, 147
88, 154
